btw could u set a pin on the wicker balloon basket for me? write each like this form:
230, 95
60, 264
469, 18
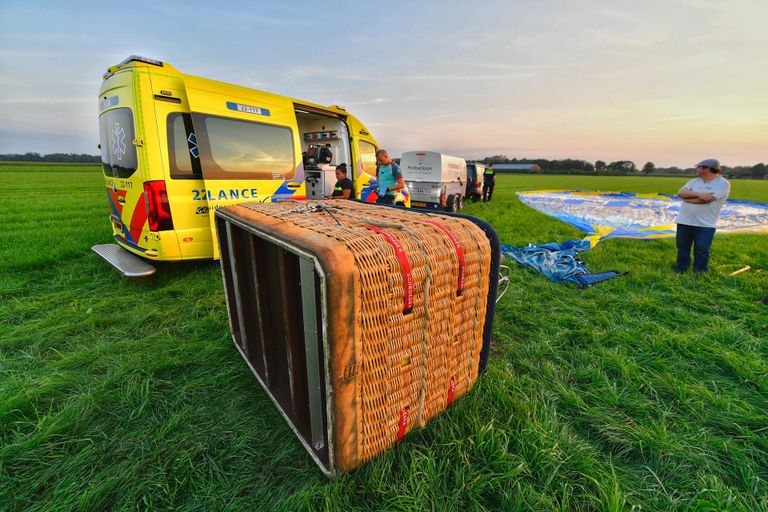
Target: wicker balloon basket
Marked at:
361, 322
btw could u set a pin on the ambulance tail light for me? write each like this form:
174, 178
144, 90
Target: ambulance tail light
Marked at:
158, 207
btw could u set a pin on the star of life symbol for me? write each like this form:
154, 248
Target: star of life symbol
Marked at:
118, 141
192, 140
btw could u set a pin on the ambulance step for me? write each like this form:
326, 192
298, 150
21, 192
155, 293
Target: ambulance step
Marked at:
127, 263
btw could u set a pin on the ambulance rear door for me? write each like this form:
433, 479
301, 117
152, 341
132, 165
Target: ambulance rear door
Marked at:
248, 145
364, 148
119, 131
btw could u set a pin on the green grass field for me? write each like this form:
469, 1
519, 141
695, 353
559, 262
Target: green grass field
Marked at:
647, 392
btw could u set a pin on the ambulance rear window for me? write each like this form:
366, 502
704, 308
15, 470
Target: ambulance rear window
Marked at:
236, 149
118, 154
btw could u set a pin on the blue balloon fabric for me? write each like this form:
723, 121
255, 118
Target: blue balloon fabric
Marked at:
558, 262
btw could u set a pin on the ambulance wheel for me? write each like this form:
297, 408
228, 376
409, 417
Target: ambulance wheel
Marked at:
452, 204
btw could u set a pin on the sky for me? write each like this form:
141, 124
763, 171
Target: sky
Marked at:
672, 82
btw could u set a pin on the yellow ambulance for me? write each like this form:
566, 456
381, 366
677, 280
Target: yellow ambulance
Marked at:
175, 147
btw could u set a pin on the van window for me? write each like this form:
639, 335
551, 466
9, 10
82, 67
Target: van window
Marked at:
118, 154
183, 153
236, 149
368, 157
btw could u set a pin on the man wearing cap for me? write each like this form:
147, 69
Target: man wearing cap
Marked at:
703, 197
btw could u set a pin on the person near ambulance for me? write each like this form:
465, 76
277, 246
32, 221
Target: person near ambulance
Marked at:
703, 198
388, 177
489, 181
344, 188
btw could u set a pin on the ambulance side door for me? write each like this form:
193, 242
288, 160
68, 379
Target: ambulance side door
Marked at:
364, 149
179, 159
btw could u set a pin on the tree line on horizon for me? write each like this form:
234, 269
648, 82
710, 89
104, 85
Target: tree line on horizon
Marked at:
564, 166
621, 167
63, 158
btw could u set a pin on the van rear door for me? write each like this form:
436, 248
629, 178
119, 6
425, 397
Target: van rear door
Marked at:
248, 144
120, 160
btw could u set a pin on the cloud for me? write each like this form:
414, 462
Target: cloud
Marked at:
464, 77
375, 101
199, 13
47, 101
711, 5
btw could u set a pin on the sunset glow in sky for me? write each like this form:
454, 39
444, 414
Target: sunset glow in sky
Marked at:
670, 81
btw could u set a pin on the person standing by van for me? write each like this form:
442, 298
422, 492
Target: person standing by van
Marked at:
489, 181
344, 188
703, 197
389, 177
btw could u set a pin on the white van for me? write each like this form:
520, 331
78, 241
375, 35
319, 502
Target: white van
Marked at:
435, 180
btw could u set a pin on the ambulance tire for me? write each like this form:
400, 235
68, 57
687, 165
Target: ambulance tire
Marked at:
461, 202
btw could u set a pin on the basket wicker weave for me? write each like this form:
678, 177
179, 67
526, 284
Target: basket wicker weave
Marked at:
400, 302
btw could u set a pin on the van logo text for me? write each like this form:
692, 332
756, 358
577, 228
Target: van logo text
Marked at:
223, 194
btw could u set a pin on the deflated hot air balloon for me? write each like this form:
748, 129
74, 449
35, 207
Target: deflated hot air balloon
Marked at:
633, 215
614, 215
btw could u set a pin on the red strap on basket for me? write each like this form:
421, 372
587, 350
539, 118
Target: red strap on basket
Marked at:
405, 268
459, 252
451, 390
403, 423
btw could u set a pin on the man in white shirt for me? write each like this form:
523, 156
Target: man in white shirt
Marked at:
703, 197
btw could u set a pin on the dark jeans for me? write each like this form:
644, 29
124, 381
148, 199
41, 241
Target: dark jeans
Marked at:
487, 190
701, 239
390, 200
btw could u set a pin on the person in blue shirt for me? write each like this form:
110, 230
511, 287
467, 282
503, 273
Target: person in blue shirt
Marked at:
389, 178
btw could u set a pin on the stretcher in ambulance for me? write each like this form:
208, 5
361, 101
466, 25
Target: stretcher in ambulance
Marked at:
175, 147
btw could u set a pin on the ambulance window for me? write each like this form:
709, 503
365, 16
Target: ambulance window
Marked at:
118, 154
182, 147
368, 157
235, 149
